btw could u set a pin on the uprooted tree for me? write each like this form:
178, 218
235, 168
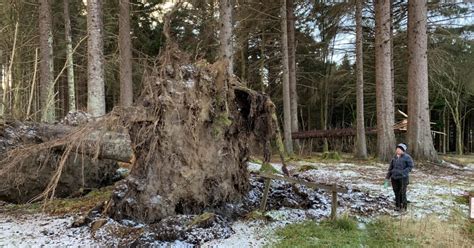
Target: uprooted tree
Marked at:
193, 144
190, 132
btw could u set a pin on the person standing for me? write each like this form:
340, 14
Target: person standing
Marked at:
399, 170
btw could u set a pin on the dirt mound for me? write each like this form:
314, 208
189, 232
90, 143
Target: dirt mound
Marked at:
193, 146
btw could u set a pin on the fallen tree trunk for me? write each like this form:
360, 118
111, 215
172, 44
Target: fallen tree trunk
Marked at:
337, 132
31, 178
334, 133
98, 143
32, 153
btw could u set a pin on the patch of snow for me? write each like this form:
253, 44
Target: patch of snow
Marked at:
247, 234
156, 199
42, 231
253, 167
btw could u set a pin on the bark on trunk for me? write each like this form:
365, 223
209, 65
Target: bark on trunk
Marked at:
70, 58
459, 139
384, 93
244, 57
225, 34
392, 68
2, 66
361, 144
262, 62
285, 80
125, 47
112, 145
95, 62
47, 93
419, 136
292, 69
80, 175
30, 154
445, 131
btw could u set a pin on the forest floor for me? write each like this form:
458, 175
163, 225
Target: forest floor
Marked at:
434, 193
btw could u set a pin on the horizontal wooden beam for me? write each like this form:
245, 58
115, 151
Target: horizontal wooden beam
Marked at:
330, 188
334, 133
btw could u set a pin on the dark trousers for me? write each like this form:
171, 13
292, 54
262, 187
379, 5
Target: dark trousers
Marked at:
400, 189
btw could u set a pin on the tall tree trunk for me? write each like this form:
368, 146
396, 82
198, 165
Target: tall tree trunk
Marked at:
225, 34
384, 93
445, 131
457, 119
361, 144
292, 68
95, 63
419, 131
262, 62
47, 93
70, 58
2, 82
459, 139
244, 53
448, 133
125, 47
286, 80
392, 68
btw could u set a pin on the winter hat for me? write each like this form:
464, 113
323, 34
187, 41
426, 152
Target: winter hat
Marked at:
402, 146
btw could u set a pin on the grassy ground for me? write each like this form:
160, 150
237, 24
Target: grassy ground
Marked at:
459, 159
381, 232
63, 206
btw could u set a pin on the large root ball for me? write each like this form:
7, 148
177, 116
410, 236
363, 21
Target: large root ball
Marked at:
191, 149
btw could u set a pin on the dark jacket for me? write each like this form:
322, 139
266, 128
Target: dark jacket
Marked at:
400, 167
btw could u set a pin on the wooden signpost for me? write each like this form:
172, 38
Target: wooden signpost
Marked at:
330, 188
471, 206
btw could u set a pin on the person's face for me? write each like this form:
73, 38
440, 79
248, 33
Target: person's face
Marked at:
399, 151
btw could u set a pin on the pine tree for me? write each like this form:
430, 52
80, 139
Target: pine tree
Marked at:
125, 47
95, 59
384, 93
361, 145
419, 130
69, 57
285, 81
225, 34
47, 94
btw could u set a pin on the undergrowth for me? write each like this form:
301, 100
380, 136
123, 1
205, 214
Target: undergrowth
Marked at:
64, 206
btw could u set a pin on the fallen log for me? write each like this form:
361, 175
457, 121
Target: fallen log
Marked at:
334, 133
330, 133
81, 173
98, 143
32, 153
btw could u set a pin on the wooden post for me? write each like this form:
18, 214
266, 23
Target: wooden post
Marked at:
265, 194
471, 206
334, 205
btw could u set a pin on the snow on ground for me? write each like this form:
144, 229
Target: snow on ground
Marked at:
431, 192
39, 230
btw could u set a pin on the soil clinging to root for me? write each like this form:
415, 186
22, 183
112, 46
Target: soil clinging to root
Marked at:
192, 145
